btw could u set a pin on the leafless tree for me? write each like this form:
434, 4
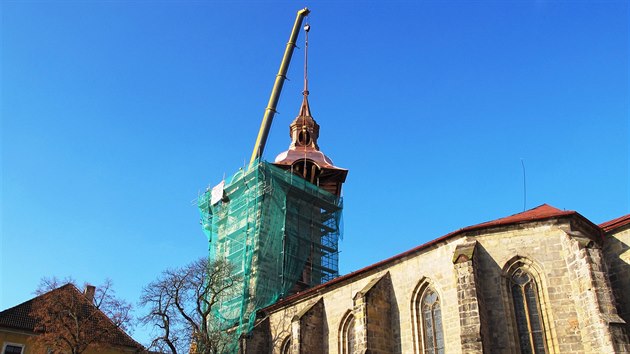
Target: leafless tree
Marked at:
70, 321
180, 305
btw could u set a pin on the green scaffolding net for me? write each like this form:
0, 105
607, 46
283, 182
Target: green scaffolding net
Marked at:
279, 231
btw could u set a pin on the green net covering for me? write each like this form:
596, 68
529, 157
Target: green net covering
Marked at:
279, 231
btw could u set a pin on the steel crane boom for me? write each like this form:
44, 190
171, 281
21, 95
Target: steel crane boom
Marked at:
270, 111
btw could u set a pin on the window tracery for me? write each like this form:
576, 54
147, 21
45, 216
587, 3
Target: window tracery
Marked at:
427, 320
529, 323
432, 331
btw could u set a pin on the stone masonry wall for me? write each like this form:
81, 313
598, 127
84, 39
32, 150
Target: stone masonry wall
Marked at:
543, 248
379, 326
471, 309
436, 264
590, 321
258, 341
617, 255
310, 337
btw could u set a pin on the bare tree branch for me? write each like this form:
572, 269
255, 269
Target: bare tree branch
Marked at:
69, 321
180, 304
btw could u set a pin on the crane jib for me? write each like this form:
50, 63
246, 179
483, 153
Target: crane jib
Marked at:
265, 125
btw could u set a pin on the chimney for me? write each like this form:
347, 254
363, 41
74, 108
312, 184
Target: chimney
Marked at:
89, 292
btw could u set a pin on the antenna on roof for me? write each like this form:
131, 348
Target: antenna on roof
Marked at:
524, 187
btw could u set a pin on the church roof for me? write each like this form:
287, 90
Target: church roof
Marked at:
543, 211
539, 213
615, 223
19, 317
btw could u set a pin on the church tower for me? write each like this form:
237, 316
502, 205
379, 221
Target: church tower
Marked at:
277, 224
304, 159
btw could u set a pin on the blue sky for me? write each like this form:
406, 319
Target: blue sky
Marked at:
115, 115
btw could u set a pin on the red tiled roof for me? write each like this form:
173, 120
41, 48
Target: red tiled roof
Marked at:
539, 213
19, 317
544, 211
615, 223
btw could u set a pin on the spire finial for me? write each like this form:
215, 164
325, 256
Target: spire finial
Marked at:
307, 28
305, 110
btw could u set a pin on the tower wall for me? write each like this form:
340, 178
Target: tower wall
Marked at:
270, 224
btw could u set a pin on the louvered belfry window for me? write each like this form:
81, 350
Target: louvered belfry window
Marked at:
527, 312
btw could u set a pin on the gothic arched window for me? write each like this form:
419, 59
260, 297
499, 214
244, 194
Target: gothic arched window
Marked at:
427, 320
529, 323
433, 336
346, 335
286, 346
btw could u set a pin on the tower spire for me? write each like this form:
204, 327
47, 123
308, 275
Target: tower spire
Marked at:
303, 158
305, 110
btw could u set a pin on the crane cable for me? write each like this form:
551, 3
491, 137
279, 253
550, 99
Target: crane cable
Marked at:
307, 28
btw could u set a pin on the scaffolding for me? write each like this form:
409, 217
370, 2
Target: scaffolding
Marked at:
279, 231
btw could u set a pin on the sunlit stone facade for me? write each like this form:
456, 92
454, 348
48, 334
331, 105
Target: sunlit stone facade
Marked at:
544, 280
